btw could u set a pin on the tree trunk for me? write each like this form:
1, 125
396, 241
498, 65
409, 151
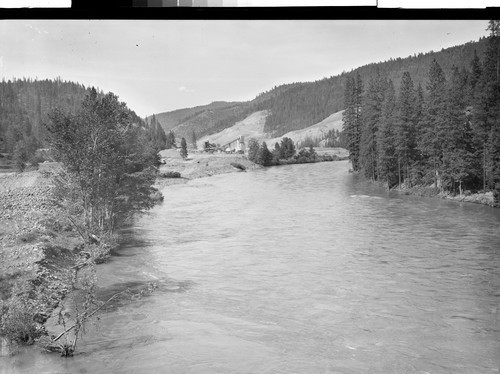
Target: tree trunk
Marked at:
484, 165
399, 172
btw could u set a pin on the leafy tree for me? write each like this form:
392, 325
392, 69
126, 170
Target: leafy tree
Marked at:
253, 150
184, 151
276, 153
287, 148
108, 165
264, 157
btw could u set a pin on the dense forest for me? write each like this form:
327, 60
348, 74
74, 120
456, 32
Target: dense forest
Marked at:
444, 130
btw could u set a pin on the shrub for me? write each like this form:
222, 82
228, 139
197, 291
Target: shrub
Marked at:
17, 322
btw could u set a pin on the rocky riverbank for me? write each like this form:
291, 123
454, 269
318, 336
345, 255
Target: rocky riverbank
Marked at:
36, 251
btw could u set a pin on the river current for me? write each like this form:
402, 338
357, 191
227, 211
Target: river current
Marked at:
297, 269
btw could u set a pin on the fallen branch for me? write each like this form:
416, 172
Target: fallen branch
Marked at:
87, 316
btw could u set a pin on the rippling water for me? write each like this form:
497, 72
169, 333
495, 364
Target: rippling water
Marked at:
298, 269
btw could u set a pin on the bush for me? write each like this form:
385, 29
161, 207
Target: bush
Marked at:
170, 174
17, 322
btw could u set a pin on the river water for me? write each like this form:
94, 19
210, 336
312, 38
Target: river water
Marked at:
297, 269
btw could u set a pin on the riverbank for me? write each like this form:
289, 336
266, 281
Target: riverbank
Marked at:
36, 251
38, 247
484, 198
199, 165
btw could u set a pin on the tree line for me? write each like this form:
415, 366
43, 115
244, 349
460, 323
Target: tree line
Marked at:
446, 133
283, 153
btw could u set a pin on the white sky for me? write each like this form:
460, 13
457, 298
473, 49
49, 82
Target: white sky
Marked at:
156, 66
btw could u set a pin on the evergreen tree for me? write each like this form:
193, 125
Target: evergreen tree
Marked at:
170, 140
352, 117
487, 111
458, 150
371, 112
386, 149
184, 151
433, 128
405, 129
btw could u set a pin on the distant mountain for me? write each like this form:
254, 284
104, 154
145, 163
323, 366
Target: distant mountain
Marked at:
297, 106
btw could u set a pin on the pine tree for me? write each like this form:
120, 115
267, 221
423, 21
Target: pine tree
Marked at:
351, 117
458, 152
433, 129
184, 151
386, 149
371, 112
405, 129
170, 140
487, 110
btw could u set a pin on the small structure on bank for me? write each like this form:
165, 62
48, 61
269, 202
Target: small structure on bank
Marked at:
236, 145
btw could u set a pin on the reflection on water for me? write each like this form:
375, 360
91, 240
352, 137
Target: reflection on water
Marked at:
298, 269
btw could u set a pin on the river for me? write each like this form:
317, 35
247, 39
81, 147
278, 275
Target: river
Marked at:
297, 269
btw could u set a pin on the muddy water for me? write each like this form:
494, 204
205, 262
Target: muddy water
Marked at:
297, 269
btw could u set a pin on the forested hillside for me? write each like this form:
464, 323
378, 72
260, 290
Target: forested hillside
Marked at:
25, 106
296, 106
310, 103
440, 128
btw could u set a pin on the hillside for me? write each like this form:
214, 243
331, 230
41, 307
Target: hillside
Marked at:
253, 127
169, 120
315, 132
297, 106
26, 103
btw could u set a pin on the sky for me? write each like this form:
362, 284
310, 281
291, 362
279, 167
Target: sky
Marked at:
158, 66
